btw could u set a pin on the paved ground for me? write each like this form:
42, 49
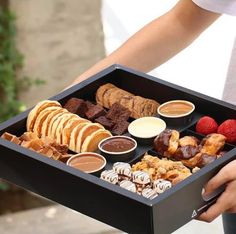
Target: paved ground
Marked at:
60, 220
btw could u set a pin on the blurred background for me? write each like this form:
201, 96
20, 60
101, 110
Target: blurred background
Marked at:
45, 45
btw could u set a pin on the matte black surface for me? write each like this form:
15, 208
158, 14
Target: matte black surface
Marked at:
103, 201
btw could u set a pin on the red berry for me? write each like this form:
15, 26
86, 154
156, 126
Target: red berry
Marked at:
228, 129
206, 125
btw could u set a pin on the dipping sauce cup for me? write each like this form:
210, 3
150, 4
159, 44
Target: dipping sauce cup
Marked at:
118, 148
145, 129
88, 162
176, 112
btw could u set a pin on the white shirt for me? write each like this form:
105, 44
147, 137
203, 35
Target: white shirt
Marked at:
197, 67
227, 7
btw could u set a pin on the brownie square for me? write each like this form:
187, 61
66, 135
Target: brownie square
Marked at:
105, 122
120, 128
118, 113
95, 112
76, 106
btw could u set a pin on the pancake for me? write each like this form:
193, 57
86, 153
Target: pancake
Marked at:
85, 132
53, 123
66, 131
62, 125
45, 125
46, 128
41, 118
56, 123
91, 142
36, 110
74, 136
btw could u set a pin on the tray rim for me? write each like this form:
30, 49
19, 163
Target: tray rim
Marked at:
94, 179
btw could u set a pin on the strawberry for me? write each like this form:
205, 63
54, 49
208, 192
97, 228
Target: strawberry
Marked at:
228, 129
206, 125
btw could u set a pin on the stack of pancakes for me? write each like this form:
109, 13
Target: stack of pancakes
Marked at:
49, 119
109, 94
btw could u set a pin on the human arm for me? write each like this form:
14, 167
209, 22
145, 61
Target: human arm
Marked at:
226, 202
159, 40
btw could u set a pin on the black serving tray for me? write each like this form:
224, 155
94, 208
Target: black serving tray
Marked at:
106, 202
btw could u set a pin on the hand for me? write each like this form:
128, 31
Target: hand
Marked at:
227, 200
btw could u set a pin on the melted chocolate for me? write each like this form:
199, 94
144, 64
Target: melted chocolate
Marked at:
206, 159
161, 142
186, 152
118, 144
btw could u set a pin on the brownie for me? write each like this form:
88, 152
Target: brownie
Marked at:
95, 112
120, 127
105, 122
76, 106
118, 113
89, 104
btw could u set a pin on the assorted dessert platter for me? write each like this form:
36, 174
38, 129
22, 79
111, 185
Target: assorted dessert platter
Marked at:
102, 137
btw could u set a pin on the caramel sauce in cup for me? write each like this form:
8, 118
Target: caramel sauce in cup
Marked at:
88, 162
176, 108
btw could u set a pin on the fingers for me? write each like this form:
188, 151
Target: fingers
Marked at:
225, 175
215, 210
226, 202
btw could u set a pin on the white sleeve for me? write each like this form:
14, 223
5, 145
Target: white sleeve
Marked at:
218, 6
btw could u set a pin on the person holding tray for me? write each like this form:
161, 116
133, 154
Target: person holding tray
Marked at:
162, 39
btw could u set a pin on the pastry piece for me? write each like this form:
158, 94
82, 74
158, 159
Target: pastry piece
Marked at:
127, 101
128, 185
192, 162
76, 106
188, 140
95, 112
140, 177
107, 123
120, 128
176, 177
27, 136
116, 95
206, 159
213, 143
123, 170
101, 91
149, 193
108, 94
118, 113
186, 152
91, 142
109, 176
86, 131
138, 107
159, 168
106, 97
36, 110
12, 138
161, 185
195, 169
167, 142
